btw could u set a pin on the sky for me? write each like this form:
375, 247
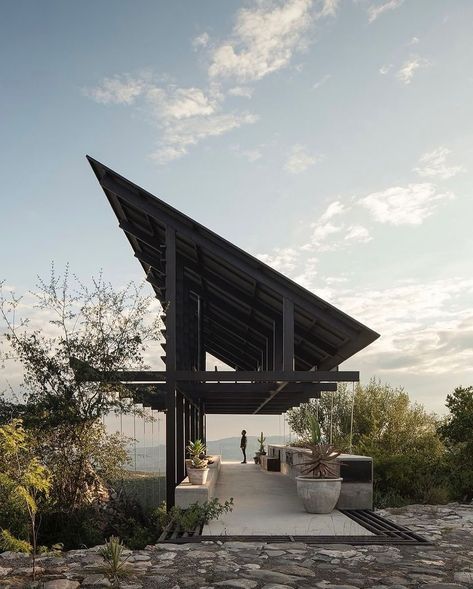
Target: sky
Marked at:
333, 139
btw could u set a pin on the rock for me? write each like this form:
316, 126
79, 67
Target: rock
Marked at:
338, 553
273, 553
443, 586
167, 556
202, 554
294, 569
276, 586
237, 583
28, 571
97, 580
274, 576
9, 554
4, 571
61, 584
463, 576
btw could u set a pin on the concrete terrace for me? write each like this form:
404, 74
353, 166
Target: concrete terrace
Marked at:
266, 503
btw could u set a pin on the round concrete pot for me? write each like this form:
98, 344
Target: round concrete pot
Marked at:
319, 495
197, 476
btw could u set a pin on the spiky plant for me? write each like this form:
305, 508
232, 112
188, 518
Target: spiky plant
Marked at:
113, 553
196, 450
321, 464
261, 440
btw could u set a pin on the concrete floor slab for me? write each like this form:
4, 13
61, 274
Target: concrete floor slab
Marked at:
266, 503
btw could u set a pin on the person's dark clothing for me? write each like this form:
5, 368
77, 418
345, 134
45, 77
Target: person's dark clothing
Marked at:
243, 447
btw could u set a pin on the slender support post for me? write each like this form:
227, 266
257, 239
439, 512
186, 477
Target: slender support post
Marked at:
288, 334
187, 425
180, 437
171, 478
202, 432
193, 428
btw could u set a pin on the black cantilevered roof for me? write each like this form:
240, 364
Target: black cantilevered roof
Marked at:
243, 297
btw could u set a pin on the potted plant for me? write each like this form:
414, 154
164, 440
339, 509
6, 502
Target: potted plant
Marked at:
197, 470
261, 440
319, 485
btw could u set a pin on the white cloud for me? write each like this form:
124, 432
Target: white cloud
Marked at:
358, 234
329, 8
428, 330
122, 89
376, 10
434, 164
299, 160
181, 103
385, 69
184, 116
184, 133
243, 91
264, 39
322, 81
334, 208
200, 41
404, 205
282, 259
410, 67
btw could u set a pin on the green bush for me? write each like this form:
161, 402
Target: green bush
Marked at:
404, 479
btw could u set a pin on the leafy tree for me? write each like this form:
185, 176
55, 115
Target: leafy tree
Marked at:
26, 481
98, 326
95, 325
457, 432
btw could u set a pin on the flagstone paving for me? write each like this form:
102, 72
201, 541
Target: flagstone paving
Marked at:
447, 564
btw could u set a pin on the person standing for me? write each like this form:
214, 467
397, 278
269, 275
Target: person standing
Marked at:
243, 445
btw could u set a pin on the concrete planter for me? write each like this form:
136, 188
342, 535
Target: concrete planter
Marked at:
197, 476
319, 495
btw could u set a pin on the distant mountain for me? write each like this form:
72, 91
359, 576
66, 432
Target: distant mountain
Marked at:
153, 459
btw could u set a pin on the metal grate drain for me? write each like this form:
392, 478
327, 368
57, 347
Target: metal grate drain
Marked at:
383, 530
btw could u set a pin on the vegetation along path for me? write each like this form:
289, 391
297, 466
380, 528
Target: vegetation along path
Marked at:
446, 564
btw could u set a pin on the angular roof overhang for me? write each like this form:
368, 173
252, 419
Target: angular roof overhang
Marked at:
243, 297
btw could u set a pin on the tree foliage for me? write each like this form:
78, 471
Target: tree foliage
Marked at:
97, 325
24, 481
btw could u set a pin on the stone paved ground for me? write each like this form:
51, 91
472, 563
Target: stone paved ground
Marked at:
448, 564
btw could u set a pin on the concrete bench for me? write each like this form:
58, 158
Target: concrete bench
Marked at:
187, 494
270, 463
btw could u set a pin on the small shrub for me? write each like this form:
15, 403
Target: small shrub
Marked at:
196, 514
116, 566
9, 542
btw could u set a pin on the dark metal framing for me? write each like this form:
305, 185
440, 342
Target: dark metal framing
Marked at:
284, 342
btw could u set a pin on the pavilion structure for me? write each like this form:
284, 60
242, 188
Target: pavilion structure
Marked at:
284, 343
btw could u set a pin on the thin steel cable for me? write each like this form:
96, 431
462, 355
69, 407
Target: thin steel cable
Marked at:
351, 418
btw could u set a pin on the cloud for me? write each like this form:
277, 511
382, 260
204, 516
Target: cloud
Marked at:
184, 116
434, 164
358, 234
410, 67
263, 41
404, 205
282, 259
299, 160
200, 41
329, 8
322, 81
243, 91
122, 89
376, 10
334, 208
181, 103
428, 330
385, 69
182, 134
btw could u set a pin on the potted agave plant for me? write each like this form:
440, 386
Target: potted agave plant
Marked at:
197, 469
261, 452
319, 485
